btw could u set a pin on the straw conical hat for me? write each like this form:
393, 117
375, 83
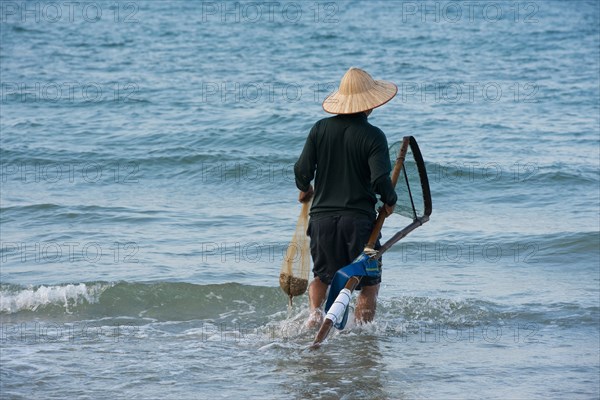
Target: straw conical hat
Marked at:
359, 92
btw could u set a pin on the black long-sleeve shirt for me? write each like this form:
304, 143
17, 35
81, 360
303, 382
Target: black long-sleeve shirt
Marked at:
351, 160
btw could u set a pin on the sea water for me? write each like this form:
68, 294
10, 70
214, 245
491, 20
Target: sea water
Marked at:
147, 152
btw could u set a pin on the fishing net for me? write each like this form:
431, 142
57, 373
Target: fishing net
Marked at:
295, 268
412, 201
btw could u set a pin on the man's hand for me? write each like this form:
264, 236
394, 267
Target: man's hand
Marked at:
304, 197
387, 210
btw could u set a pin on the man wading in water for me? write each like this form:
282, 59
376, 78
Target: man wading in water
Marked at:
350, 163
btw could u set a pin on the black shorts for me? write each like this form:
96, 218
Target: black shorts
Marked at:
335, 241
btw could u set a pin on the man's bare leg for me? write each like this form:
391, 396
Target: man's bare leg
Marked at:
316, 297
366, 304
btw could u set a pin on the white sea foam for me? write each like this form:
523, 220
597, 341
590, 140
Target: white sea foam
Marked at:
12, 301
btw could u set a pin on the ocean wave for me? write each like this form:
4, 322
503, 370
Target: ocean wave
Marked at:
236, 303
162, 300
564, 248
15, 160
23, 29
49, 214
14, 298
493, 173
543, 250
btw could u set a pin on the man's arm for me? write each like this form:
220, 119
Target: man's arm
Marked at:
379, 163
304, 169
303, 197
383, 187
